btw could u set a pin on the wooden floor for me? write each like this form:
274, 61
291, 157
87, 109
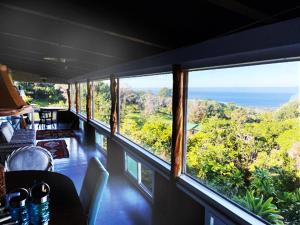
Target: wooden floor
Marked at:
122, 203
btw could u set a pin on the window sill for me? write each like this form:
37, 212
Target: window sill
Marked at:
100, 126
212, 200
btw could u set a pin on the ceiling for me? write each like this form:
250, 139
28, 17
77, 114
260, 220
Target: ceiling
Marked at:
56, 40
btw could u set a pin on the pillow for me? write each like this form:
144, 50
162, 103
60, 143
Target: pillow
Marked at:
6, 133
10, 127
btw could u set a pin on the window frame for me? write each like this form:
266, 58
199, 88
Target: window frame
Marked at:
93, 104
128, 139
137, 181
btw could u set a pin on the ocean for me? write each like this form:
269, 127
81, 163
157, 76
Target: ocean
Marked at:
247, 97
267, 97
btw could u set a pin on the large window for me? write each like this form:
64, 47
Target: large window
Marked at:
146, 112
43, 94
82, 97
102, 101
243, 137
73, 96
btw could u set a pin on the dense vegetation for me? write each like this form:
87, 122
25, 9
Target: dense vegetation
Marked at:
43, 94
252, 156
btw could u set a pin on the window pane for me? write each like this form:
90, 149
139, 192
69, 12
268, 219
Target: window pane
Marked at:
132, 166
244, 136
101, 141
102, 101
146, 112
43, 94
73, 96
83, 93
147, 178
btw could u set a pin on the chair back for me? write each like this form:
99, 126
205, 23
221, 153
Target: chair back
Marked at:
93, 186
29, 158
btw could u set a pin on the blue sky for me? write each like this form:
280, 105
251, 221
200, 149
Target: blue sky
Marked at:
268, 75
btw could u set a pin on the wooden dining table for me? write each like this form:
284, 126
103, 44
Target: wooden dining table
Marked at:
65, 206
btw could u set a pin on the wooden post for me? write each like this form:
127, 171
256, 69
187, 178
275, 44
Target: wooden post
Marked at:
89, 100
178, 109
114, 93
77, 97
69, 96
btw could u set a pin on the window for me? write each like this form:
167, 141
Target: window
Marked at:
141, 174
102, 101
101, 141
43, 94
146, 112
131, 166
243, 136
73, 96
147, 179
82, 97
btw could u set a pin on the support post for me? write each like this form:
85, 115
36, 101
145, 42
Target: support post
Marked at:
77, 97
89, 100
114, 93
178, 109
69, 97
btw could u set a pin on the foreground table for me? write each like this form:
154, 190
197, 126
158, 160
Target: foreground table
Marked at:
65, 206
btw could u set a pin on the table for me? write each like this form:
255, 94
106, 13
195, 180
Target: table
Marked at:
65, 206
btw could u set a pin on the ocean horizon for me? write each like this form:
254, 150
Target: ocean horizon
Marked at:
258, 97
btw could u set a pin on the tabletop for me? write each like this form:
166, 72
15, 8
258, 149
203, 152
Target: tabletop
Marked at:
65, 206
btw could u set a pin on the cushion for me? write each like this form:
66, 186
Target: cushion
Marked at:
6, 133
10, 127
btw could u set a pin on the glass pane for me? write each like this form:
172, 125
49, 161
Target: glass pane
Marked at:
147, 178
83, 93
132, 166
244, 136
73, 96
101, 141
102, 101
43, 94
146, 112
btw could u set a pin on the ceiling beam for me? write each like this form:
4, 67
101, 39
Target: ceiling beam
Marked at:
55, 64
30, 67
19, 36
88, 27
240, 8
9, 48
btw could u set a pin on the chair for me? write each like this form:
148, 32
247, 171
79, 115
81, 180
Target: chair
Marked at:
29, 158
46, 118
93, 186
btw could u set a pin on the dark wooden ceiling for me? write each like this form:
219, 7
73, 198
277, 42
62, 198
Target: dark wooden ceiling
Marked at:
59, 40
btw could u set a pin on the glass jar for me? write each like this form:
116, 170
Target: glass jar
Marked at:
39, 204
18, 206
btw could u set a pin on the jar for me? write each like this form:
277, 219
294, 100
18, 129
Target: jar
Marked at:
18, 206
39, 204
